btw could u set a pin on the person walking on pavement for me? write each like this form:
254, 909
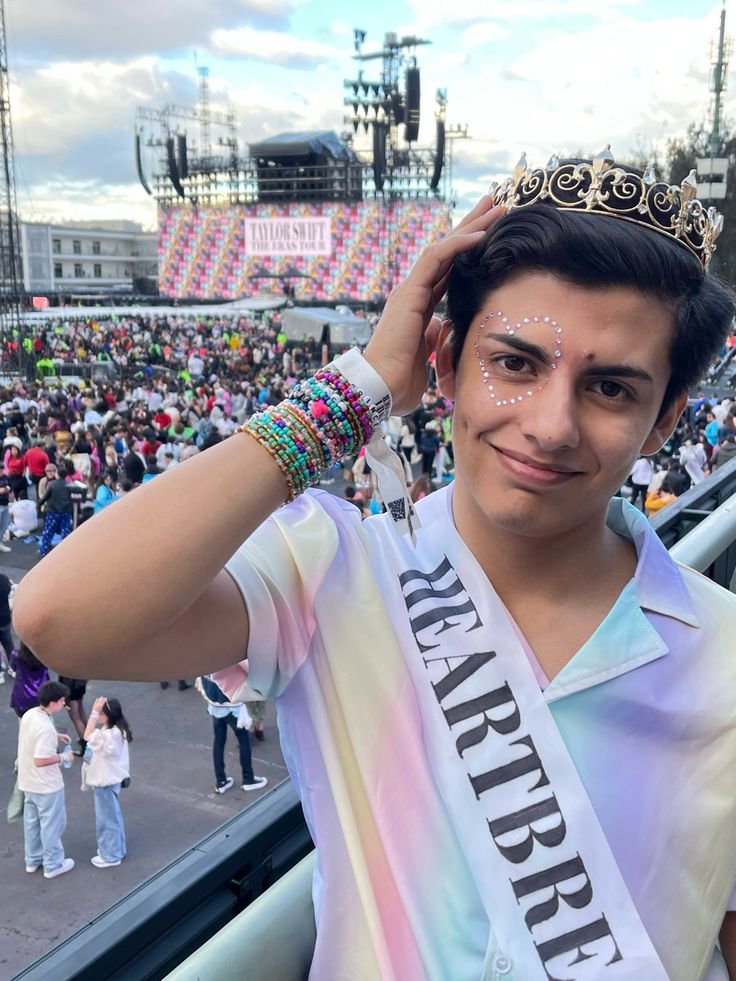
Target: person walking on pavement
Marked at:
41, 782
108, 735
234, 714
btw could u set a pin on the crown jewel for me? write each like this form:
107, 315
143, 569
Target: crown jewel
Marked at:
599, 186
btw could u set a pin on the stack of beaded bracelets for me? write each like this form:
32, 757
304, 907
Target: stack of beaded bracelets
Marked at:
323, 419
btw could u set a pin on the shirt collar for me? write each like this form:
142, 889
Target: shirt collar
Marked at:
659, 584
627, 638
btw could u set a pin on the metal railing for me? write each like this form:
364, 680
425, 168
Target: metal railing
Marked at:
153, 929
695, 526
147, 933
680, 517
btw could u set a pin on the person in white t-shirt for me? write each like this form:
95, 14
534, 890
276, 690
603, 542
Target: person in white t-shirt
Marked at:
108, 735
722, 410
641, 475
40, 780
693, 459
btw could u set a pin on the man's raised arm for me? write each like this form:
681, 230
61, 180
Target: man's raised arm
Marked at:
139, 591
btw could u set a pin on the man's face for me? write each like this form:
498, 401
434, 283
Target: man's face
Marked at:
540, 449
53, 707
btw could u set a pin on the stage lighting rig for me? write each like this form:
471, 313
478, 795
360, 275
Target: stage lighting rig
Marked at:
394, 99
189, 155
186, 166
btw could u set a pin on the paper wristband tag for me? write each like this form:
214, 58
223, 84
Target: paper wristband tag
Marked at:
363, 376
389, 470
391, 477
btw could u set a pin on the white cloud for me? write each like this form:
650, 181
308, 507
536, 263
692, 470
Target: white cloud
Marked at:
484, 32
59, 201
438, 12
103, 28
621, 81
57, 107
263, 111
274, 47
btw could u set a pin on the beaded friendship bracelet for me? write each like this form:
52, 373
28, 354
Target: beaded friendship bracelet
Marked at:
331, 415
323, 419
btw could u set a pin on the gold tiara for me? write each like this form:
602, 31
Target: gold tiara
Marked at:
600, 187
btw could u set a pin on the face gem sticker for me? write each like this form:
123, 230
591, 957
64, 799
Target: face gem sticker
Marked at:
512, 327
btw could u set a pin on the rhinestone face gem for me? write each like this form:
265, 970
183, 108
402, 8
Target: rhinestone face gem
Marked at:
511, 329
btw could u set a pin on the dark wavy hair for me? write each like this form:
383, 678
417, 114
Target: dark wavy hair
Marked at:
115, 717
595, 251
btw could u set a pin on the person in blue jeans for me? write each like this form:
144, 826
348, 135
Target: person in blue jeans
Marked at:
226, 714
58, 503
108, 735
40, 780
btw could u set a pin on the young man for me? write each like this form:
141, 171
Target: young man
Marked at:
558, 799
224, 714
40, 779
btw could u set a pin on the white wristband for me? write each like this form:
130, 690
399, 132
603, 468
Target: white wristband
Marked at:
363, 376
389, 470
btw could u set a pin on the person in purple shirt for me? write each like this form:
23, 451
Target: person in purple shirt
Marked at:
30, 674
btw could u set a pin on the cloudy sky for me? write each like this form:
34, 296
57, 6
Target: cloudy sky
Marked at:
534, 75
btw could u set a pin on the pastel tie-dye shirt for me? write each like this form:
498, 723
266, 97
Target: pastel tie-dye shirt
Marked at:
646, 708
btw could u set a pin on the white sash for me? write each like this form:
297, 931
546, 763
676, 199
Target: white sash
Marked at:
553, 893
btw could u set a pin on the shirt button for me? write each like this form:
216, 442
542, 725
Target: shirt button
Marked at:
502, 964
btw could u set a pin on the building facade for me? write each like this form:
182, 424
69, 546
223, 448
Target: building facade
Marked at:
84, 257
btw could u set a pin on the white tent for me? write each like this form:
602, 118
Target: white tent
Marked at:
344, 328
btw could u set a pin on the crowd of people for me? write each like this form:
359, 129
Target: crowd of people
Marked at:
179, 387
182, 384
703, 442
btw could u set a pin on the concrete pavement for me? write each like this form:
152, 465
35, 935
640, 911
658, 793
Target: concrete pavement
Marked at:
170, 805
